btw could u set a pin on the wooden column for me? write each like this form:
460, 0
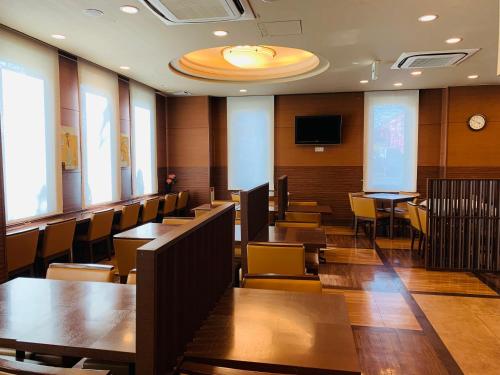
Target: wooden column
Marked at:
443, 155
161, 141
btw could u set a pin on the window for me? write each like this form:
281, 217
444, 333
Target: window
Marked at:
29, 110
143, 103
99, 115
391, 141
250, 140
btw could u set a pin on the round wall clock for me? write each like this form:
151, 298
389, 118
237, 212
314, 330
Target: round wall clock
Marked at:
477, 122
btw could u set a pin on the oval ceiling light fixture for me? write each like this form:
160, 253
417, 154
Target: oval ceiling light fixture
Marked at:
58, 36
129, 9
364, 81
124, 67
248, 57
428, 18
473, 76
243, 90
220, 33
453, 40
398, 84
416, 73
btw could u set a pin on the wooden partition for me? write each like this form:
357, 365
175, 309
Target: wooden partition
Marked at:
464, 224
282, 196
254, 210
180, 278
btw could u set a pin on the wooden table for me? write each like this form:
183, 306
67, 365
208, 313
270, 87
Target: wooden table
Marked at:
312, 238
209, 206
393, 199
276, 331
69, 318
310, 209
148, 231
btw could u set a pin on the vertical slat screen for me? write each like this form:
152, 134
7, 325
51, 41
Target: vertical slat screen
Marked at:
180, 278
282, 196
254, 206
464, 224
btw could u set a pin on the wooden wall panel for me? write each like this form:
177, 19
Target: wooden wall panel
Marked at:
188, 123
429, 127
161, 141
124, 104
218, 153
70, 116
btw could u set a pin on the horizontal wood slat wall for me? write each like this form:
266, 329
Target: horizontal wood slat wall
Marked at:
180, 278
464, 225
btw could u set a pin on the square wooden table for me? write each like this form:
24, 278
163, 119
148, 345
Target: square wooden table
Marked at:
148, 231
69, 318
277, 331
322, 209
393, 199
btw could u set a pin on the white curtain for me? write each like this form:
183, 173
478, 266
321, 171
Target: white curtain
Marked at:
250, 141
391, 141
143, 105
100, 133
29, 116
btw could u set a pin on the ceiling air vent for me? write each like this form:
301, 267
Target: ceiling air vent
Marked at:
200, 11
432, 59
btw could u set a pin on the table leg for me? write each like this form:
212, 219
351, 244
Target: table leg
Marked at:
391, 224
20, 355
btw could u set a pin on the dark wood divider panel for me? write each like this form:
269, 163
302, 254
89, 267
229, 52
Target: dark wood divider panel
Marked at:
282, 196
464, 224
254, 210
180, 278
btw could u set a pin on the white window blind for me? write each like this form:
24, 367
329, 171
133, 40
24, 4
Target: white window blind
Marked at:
250, 126
143, 104
391, 141
29, 113
100, 122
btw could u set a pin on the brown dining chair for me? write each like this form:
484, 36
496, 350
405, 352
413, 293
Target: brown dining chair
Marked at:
305, 217
177, 220
81, 272
359, 194
422, 215
21, 251
299, 283
365, 210
415, 227
128, 217
57, 241
169, 205
126, 255
99, 231
132, 277
150, 209
235, 197
182, 202
281, 258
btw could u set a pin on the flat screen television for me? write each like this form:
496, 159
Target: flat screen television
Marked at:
318, 130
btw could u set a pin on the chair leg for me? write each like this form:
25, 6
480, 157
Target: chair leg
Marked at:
413, 234
91, 253
108, 246
356, 226
374, 236
420, 235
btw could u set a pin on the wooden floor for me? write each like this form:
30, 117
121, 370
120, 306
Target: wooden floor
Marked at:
407, 320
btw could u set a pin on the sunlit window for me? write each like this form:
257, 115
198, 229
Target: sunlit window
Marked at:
391, 141
250, 141
27, 106
143, 139
99, 95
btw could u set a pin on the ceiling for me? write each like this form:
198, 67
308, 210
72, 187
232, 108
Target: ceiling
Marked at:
342, 31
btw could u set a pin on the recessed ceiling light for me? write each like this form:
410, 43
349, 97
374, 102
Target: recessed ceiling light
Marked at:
428, 18
129, 9
93, 12
473, 76
453, 40
58, 36
220, 33
416, 73
123, 67
398, 84
363, 81
243, 90
355, 63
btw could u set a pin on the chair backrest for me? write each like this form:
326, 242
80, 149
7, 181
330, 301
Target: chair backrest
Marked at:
198, 213
302, 203
414, 217
265, 257
364, 207
132, 277
354, 195
169, 204
100, 224
58, 237
304, 283
235, 197
21, 249
182, 200
305, 217
150, 209
176, 220
81, 272
130, 215
295, 224
422, 215
126, 254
